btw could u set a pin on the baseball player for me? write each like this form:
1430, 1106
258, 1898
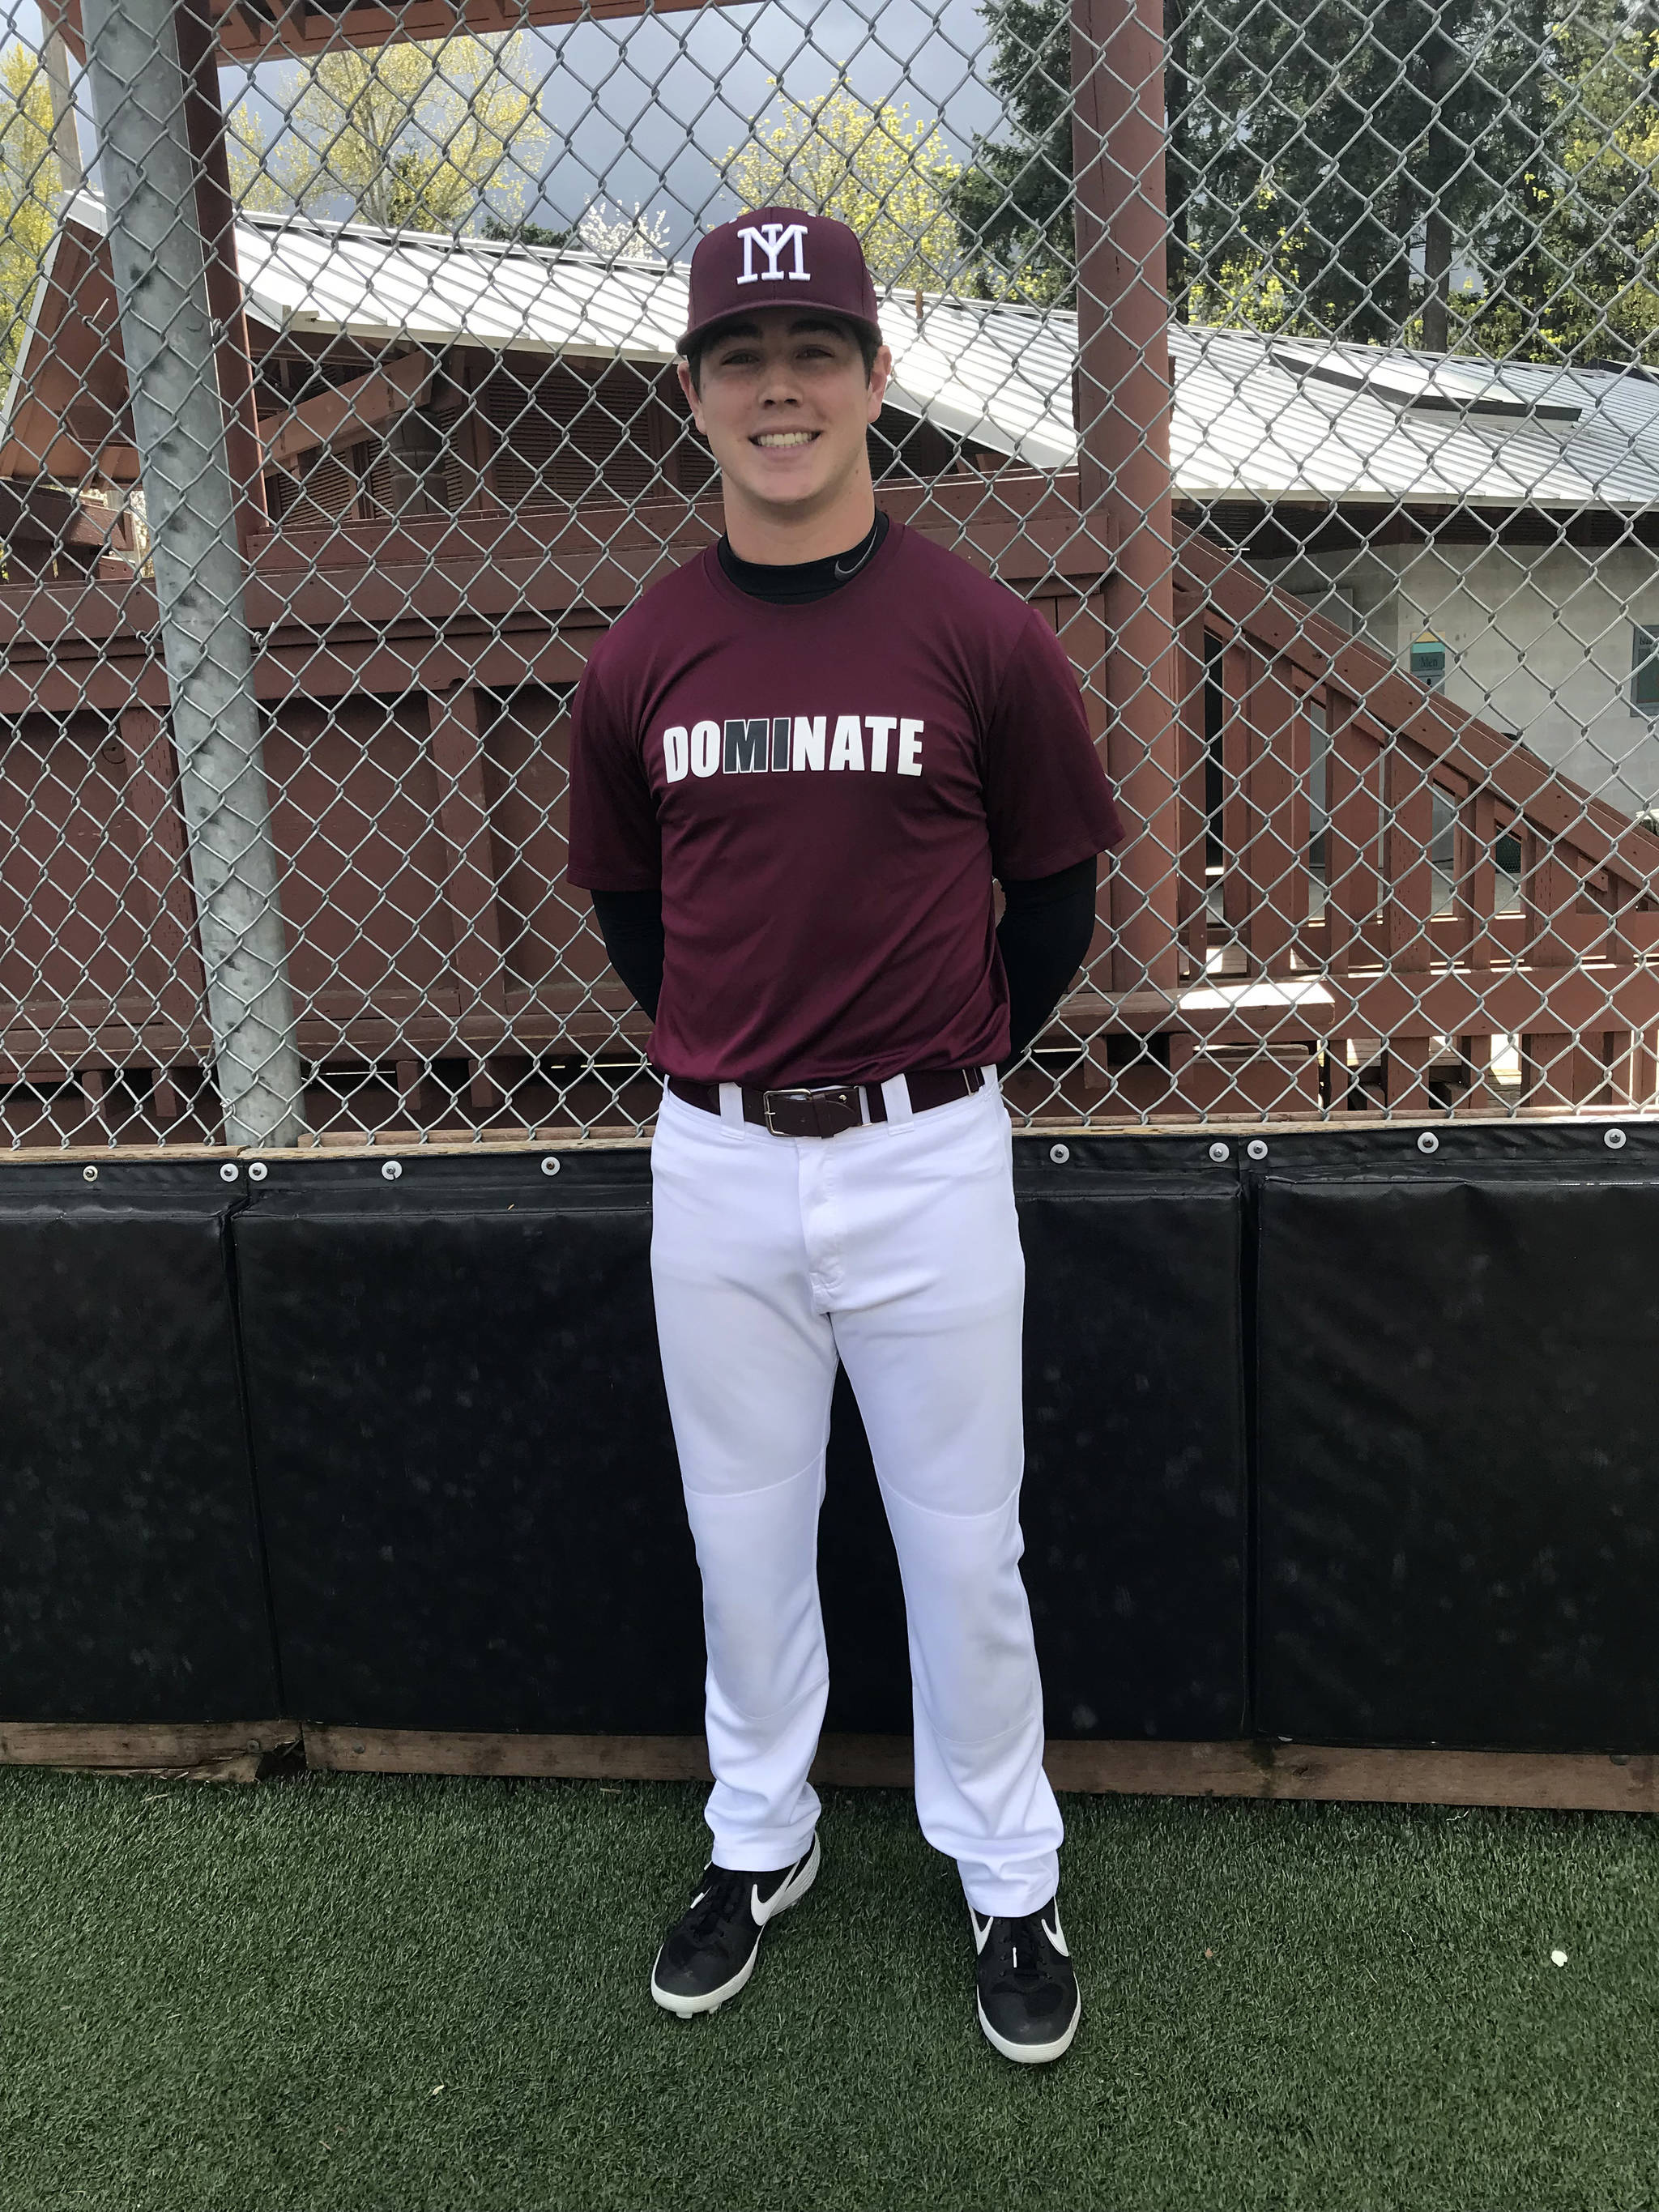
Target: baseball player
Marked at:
797, 766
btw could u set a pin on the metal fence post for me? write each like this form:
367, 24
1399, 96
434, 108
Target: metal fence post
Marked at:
158, 261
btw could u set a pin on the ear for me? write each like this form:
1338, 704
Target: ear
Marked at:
881, 370
690, 391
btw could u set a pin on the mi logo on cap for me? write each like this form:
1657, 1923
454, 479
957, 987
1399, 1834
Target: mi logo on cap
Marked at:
774, 239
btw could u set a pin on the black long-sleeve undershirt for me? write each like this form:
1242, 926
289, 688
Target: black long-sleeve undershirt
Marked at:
1043, 938
631, 923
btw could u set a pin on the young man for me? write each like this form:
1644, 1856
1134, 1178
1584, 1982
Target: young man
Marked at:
796, 767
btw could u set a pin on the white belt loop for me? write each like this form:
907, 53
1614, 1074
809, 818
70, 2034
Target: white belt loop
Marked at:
992, 1081
731, 1103
896, 1094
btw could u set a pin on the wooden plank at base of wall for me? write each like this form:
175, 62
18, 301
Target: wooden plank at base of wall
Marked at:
132, 1746
1584, 1781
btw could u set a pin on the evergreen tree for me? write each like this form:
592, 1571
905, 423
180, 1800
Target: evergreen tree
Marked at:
1013, 202
1315, 154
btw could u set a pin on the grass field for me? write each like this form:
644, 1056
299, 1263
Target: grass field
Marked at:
380, 1994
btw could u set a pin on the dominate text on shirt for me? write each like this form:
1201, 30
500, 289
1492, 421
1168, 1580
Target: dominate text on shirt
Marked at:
746, 744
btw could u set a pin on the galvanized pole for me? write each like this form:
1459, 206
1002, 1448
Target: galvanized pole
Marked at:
167, 334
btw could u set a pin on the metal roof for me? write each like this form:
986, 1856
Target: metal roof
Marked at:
1255, 417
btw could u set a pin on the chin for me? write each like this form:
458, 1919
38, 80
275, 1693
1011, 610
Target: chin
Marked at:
795, 487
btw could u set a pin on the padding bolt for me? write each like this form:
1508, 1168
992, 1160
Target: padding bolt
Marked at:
1613, 1139
551, 1166
1427, 1141
1060, 1154
393, 1170
257, 1170
88, 1175
1220, 1152
1257, 1148
229, 1171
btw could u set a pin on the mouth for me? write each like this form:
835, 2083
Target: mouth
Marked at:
783, 441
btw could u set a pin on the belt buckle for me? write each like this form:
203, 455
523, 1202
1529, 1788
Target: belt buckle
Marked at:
845, 1094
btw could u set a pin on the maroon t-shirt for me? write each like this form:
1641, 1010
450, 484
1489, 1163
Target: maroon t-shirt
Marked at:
824, 794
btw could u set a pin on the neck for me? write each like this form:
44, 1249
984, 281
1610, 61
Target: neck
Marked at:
774, 538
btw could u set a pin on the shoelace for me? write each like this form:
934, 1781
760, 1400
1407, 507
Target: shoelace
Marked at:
720, 1893
1022, 1952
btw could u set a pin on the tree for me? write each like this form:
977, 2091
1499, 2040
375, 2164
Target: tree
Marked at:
411, 136
29, 193
527, 234
1315, 153
886, 174
1583, 280
622, 233
1013, 200
1349, 135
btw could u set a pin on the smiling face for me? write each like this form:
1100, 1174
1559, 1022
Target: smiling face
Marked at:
783, 402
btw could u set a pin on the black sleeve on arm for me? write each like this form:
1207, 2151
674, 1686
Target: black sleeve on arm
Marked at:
631, 923
1043, 937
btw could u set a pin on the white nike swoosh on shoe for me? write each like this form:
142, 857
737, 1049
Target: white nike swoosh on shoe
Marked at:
981, 1934
1055, 1935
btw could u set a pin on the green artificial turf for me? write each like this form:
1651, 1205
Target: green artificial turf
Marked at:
365, 1993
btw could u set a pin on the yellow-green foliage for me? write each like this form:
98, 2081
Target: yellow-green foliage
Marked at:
877, 169
29, 192
417, 136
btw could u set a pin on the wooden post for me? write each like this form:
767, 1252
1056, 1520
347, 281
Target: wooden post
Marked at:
1276, 861
65, 134
215, 212
1194, 755
1123, 454
1239, 668
1351, 806
470, 894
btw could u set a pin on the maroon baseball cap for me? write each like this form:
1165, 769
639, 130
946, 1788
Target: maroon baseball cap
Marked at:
778, 257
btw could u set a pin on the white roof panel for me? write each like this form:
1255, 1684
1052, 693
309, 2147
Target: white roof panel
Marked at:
1254, 417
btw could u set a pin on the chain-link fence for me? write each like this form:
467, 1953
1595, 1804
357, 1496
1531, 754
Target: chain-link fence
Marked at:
1293, 361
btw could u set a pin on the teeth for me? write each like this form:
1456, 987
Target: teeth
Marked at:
785, 438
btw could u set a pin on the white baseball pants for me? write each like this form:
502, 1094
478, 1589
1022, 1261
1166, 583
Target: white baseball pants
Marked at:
894, 1248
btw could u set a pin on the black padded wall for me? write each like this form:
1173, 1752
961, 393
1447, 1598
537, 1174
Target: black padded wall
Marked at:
1134, 1499
1135, 1471
470, 1498
470, 1489
130, 1586
1459, 1438
1351, 1442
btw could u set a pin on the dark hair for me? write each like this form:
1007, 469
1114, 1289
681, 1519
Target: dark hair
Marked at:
867, 340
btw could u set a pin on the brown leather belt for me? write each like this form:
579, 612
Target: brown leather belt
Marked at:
825, 1109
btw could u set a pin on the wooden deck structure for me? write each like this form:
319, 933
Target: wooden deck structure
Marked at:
1338, 892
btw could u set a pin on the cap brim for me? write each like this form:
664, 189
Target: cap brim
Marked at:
800, 306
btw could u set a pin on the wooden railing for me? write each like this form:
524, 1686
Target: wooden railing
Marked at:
1384, 902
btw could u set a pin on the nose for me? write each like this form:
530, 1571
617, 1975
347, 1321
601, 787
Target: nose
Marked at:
778, 384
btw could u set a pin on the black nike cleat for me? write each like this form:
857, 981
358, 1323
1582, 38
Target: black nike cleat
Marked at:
1028, 2004
710, 1952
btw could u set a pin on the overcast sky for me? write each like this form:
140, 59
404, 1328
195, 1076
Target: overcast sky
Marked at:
645, 109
